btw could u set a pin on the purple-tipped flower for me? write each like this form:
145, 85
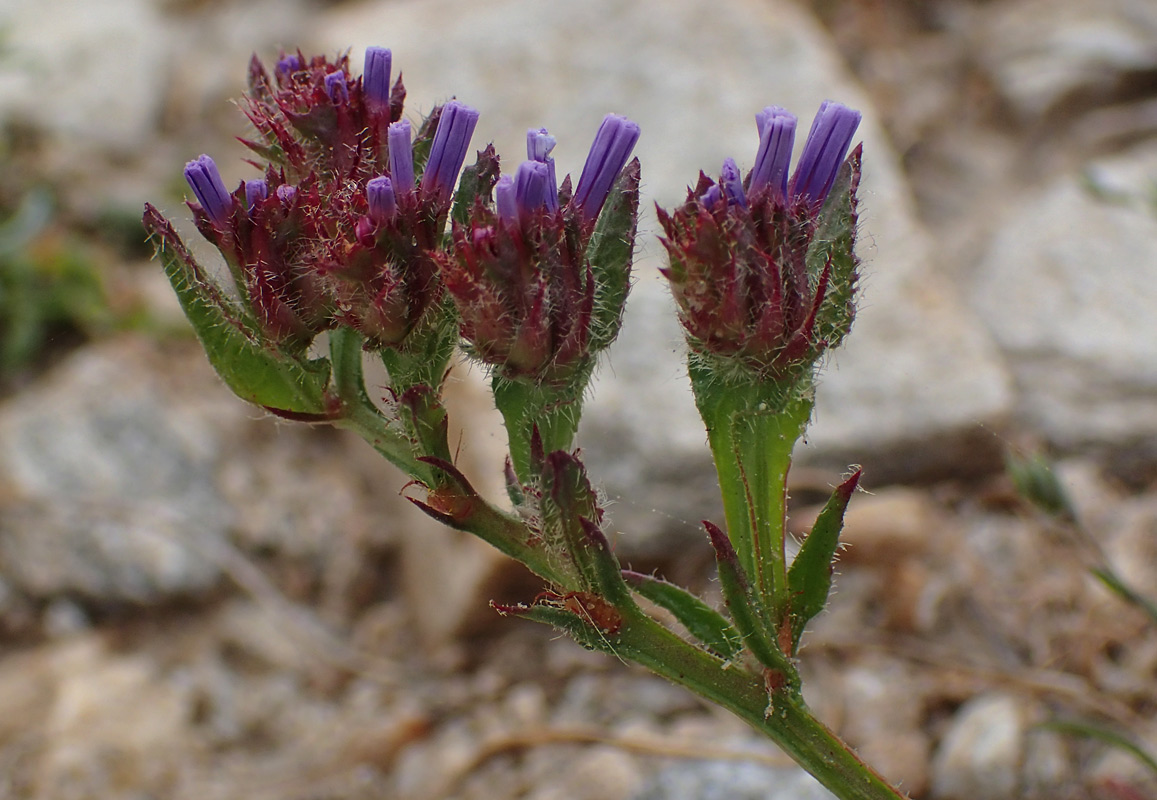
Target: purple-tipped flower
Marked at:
376, 77
380, 197
539, 144
288, 65
335, 87
206, 183
255, 191
731, 183
532, 189
776, 137
609, 153
401, 156
824, 151
286, 193
448, 150
505, 199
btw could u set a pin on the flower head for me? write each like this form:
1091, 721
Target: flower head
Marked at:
764, 276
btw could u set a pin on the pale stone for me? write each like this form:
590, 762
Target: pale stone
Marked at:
981, 753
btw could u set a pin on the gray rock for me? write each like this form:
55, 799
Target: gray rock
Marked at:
1067, 289
731, 780
109, 487
919, 369
982, 751
1041, 53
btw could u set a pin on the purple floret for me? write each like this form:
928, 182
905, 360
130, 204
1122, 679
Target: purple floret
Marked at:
448, 150
376, 77
205, 181
380, 197
731, 183
255, 191
776, 137
401, 156
608, 155
823, 153
336, 88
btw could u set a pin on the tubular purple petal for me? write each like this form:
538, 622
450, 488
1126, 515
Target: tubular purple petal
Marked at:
823, 153
206, 183
380, 197
336, 88
776, 138
608, 155
401, 156
288, 65
505, 200
376, 77
448, 150
712, 196
539, 144
286, 193
532, 186
255, 191
731, 183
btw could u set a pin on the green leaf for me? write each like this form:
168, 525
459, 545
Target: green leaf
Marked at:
610, 252
701, 620
1110, 737
254, 372
1127, 593
1036, 482
810, 576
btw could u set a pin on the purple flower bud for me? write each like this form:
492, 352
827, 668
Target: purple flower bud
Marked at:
505, 201
539, 143
380, 196
255, 191
448, 150
205, 180
288, 65
731, 183
376, 77
286, 193
824, 151
712, 196
336, 88
609, 153
401, 156
776, 137
532, 186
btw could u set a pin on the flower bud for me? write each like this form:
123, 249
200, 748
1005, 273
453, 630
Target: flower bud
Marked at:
448, 150
205, 181
255, 191
401, 156
776, 137
335, 87
376, 77
380, 197
608, 155
823, 153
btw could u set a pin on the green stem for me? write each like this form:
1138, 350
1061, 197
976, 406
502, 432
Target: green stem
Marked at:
786, 719
358, 412
752, 428
525, 406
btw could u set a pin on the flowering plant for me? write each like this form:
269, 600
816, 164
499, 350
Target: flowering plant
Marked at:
368, 229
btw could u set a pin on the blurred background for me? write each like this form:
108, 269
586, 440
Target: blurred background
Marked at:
198, 601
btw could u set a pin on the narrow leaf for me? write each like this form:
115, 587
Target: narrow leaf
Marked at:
810, 576
1107, 735
741, 604
255, 373
701, 620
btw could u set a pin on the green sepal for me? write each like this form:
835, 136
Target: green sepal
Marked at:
255, 372
477, 181
745, 613
810, 576
610, 253
833, 246
701, 620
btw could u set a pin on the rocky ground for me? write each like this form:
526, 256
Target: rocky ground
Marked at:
197, 601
